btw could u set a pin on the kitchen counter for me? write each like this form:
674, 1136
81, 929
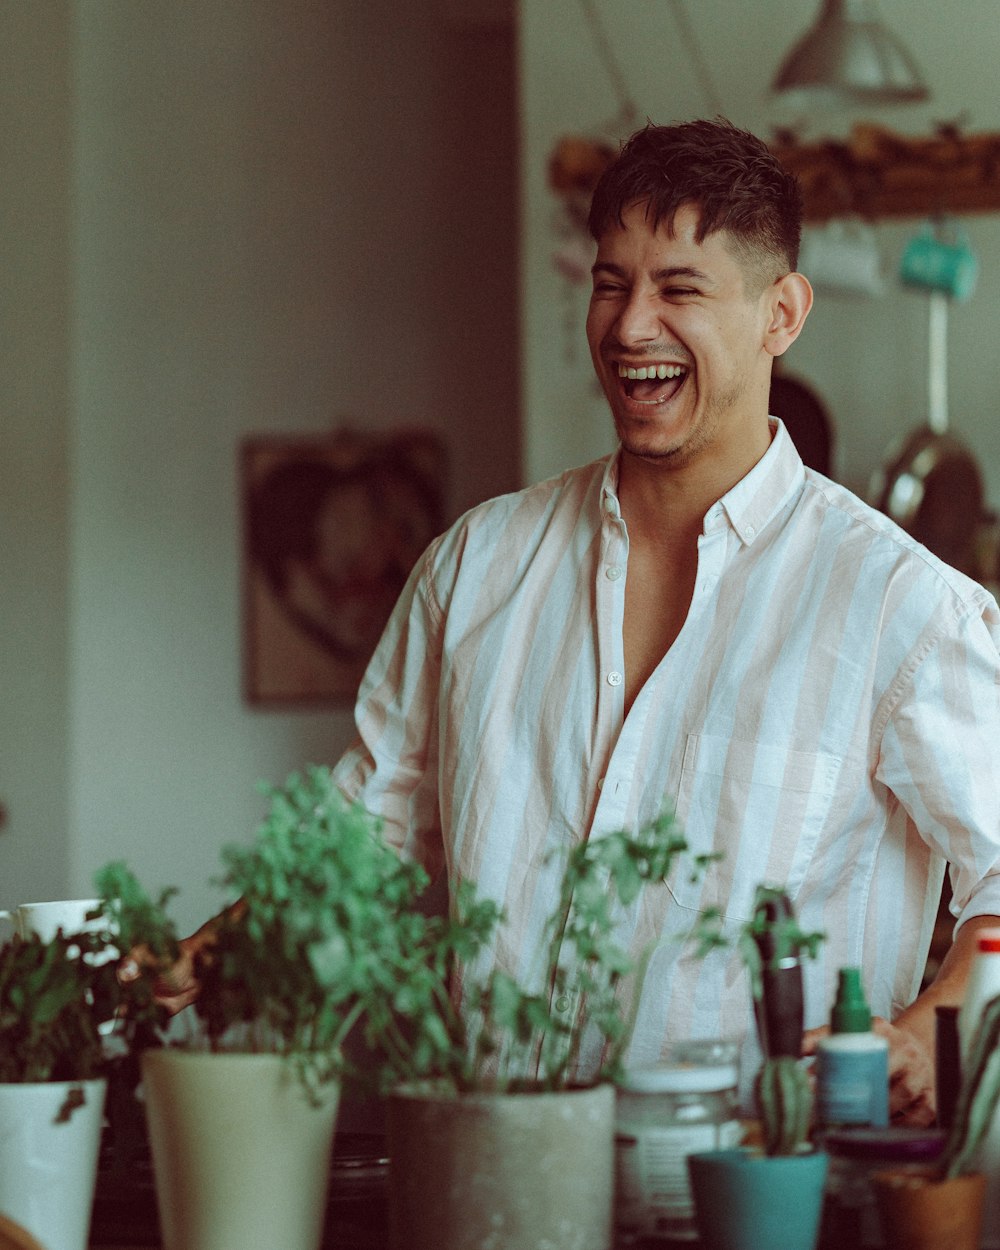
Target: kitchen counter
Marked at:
125, 1212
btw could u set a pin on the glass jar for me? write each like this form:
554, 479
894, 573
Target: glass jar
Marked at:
663, 1114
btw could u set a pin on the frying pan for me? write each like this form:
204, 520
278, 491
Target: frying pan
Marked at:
931, 484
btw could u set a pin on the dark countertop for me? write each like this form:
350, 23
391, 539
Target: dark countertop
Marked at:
125, 1212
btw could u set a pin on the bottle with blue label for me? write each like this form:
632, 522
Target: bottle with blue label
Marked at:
852, 1062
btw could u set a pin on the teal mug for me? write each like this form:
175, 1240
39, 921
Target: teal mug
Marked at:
932, 263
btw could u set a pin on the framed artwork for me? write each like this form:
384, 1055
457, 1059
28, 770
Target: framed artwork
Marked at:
332, 527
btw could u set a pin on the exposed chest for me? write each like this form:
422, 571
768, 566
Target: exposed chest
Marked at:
657, 600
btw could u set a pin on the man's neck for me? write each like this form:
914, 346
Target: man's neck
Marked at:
658, 498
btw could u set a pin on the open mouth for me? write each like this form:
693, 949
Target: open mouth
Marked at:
651, 384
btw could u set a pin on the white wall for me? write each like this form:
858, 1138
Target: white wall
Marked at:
243, 217
34, 501
866, 358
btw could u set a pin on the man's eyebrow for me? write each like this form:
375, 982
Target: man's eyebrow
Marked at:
658, 275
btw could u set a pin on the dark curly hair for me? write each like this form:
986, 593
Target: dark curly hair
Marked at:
730, 175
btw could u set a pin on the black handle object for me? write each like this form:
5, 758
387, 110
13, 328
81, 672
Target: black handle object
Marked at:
948, 1065
779, 1010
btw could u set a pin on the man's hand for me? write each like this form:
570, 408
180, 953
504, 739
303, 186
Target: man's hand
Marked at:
175, 987
911, 1072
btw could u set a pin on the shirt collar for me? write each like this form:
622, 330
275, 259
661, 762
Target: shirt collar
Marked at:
753, 502
757, 498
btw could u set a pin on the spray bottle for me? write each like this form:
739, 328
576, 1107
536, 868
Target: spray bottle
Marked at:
852, 1063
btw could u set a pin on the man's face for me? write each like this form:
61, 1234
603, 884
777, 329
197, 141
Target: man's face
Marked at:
679, 312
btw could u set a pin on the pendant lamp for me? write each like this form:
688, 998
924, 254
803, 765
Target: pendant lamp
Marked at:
849, 57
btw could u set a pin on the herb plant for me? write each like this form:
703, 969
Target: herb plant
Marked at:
325, 917
53, 995
509, 1036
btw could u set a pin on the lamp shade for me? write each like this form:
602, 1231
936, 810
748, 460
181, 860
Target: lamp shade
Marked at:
849, 57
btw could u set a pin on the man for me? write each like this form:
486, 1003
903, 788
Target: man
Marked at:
700, 621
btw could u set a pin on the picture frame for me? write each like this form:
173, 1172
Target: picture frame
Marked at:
332, 526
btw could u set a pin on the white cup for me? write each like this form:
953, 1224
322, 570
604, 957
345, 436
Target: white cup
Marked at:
44, 919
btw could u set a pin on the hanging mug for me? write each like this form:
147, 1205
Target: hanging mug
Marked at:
932, 263
842, 257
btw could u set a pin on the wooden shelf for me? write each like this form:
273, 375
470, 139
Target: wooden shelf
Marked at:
878, 174
875, 173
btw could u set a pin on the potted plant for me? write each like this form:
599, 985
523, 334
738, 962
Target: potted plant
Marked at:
241, 1115
769, 1192
943, 1205
491, 1137
759, 1197
54, 994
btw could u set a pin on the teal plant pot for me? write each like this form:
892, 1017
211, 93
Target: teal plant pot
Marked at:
747, 1201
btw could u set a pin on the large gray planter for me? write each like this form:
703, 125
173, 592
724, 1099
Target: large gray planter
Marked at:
507, 1171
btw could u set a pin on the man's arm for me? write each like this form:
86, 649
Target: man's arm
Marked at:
911, 1035
912, 1055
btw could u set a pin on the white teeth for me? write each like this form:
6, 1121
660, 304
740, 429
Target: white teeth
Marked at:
652, 371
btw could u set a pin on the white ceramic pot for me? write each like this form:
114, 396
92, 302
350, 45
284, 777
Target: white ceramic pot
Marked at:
507, 1171
48, 1166
241, 1157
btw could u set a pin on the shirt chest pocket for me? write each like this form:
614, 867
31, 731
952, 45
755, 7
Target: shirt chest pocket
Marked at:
762, 808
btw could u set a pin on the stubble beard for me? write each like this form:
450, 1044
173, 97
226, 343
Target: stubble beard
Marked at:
701, 436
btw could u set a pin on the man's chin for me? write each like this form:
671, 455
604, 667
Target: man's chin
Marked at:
651, 445
652, 454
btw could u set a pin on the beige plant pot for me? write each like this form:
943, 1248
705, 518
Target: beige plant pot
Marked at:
241, 1158
918, 1212
507, 1171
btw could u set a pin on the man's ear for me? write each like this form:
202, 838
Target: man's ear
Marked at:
789, 301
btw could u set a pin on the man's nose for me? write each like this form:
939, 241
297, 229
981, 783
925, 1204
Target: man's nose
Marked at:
638, 321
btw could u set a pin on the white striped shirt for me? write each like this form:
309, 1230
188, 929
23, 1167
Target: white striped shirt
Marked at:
828, 718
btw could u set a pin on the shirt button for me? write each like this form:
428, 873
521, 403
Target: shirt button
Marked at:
562, 1003
751, 531
614, 679
613, 572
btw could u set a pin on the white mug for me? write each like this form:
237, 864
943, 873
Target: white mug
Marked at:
44, 919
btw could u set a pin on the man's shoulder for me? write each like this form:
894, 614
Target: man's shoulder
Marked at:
875, 537
571, 489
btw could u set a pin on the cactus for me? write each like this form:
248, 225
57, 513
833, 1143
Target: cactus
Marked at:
978, 1095
784, 1097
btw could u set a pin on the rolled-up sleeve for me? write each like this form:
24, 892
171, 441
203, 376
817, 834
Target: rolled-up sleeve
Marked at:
940, 754
392, 767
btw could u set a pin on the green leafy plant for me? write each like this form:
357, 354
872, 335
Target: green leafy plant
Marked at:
511, 1036
325, 919
54, 993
